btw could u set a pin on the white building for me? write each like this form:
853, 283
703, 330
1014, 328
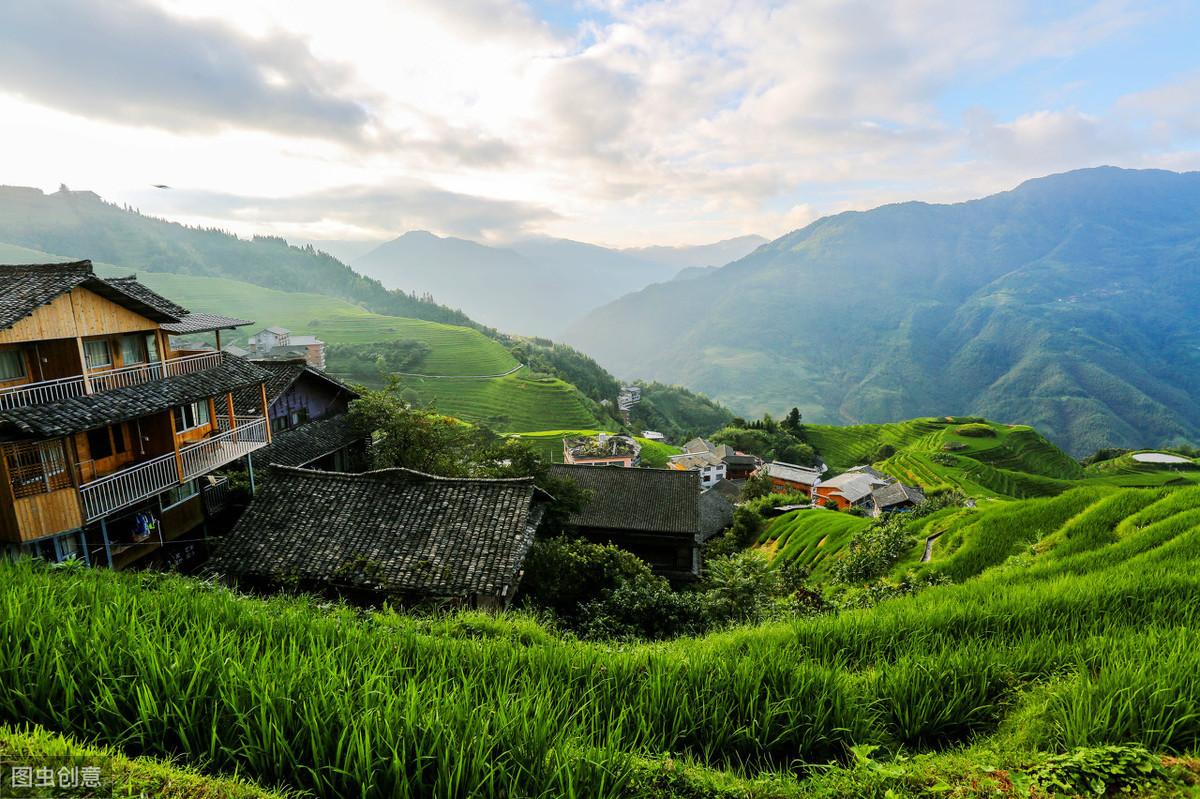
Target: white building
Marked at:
711, 467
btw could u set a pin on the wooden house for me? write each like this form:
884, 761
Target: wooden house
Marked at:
107, 433
788, 478
654, 513
306, 410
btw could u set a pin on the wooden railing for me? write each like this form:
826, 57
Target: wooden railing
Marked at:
53, 390
120, 489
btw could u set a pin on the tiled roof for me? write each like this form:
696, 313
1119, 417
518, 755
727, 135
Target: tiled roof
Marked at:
393, 531
792, 473
854, 485
653, 500
302, 445
696, 460
77, 414
729, 489
282, 374
716, 512
203, 322
132, 287
188, 322
896, 494
26, 287
698, 445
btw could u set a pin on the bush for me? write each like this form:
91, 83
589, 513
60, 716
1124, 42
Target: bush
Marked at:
564, 574
642, 608
975, 430
1098, 771
874, 551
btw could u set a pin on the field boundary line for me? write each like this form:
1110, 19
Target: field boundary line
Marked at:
516, 368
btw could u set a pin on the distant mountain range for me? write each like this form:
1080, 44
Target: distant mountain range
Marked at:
535, 286
1071, 303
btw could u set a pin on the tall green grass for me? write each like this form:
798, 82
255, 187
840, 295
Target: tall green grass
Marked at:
1085, 644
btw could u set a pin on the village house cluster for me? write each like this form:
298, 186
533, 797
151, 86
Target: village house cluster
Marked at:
861, 487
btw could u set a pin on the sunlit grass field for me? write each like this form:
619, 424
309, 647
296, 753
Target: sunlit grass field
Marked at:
1074, 623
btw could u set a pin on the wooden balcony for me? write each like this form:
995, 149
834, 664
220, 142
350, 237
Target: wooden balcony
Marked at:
127, 486
46, 391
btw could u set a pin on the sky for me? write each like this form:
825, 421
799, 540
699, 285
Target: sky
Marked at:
619, 122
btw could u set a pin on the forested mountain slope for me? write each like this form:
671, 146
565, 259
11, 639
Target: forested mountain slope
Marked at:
1071, 303
79, 224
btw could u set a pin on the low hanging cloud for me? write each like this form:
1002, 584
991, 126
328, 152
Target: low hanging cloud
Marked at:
376, 211
131, 63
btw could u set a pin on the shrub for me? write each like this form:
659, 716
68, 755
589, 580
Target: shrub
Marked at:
563, 574
975, 430
1098, 771
874, 551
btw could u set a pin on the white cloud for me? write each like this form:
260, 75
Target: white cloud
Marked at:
667, 121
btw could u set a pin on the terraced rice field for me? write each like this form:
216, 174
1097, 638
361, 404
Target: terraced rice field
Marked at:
810, 537
516, 403
455, 350
1089, 636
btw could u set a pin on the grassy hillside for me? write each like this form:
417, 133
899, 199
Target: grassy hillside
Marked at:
1069, 303
548, 444
981, 458
810, 538
515, 403
1090, 636
79, 224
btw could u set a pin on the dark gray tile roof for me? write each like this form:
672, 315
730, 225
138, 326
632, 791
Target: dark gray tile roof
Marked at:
202, 323
130, 285
26, 287
652, 500
730, 489
282, 375
716, 512
188, 322
76, 414
302, 445
897, 494
393, 531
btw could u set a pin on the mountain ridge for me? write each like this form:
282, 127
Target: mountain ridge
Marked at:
1066, 302
534, 286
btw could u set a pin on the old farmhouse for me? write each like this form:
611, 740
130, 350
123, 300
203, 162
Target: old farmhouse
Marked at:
108, 433
654, 513
307, 408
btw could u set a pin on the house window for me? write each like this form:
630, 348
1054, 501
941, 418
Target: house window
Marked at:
151, 345
118, 433
12, 365
97, 354
133, 350
299, 417
99, 443
178, 494
36, 468
191, 416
